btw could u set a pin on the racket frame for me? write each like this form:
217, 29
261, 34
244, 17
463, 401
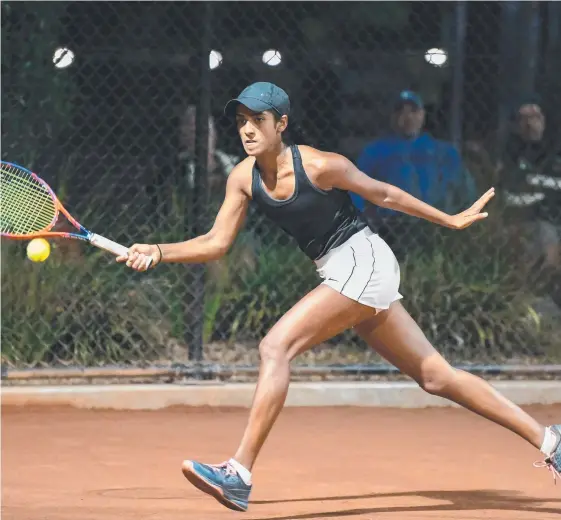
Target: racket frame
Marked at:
85, 235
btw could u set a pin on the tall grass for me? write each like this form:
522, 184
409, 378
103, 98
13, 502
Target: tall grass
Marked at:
466, 290
81, 312
473, 299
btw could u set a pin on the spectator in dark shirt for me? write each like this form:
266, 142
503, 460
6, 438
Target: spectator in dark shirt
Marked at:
530, 182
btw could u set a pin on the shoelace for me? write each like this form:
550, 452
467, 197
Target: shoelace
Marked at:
230, 471
548, 464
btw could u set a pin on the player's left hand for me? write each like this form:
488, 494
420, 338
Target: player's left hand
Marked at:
473, 214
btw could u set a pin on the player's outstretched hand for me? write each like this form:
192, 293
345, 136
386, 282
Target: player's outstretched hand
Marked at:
473, 214
139, 256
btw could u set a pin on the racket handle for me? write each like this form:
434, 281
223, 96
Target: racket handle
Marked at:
113, 247
108, 245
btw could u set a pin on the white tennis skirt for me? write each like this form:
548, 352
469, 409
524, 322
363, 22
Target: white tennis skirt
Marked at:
364, 269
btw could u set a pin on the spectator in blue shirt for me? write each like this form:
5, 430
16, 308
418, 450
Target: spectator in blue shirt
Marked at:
413, 160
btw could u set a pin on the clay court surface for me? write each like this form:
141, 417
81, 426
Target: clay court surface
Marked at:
334, 463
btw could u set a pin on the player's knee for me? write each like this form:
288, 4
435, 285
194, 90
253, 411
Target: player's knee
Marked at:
436, 377
273, 348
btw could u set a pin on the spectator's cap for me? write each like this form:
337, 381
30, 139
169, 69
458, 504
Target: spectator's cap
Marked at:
408, 97
259, 97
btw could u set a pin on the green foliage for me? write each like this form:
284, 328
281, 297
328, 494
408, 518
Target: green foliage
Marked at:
64, 311
473, 307
253, 287
474, 302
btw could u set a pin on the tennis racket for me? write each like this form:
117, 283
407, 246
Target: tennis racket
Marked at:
29, 209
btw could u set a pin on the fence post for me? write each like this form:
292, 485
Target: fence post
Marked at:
457, 98
200, 192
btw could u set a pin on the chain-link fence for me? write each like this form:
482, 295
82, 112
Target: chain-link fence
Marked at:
118, 105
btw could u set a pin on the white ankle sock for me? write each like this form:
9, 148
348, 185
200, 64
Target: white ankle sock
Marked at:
243, 472
549, 442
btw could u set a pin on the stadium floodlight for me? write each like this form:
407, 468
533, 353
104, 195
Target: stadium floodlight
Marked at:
214, 59
436, 57
272, 58
63, 57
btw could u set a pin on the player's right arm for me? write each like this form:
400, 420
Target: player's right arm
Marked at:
207, 247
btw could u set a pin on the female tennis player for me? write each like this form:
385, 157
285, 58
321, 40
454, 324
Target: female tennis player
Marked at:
305, 192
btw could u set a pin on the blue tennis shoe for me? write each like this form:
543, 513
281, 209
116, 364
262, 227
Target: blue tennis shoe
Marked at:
220, 481
553, 462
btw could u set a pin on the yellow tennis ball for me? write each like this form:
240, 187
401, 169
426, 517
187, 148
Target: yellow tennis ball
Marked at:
38, 250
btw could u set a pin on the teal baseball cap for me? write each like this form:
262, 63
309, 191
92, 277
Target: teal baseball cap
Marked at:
409, 97
259, 97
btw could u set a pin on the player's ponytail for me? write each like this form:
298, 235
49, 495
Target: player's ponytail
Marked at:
294, 133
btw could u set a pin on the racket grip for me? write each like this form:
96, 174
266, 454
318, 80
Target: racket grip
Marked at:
108, 245
113, 247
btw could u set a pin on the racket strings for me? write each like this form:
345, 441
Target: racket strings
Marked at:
39, 204
27, 206
17, 193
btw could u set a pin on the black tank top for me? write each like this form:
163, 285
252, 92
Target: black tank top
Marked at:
319, 220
